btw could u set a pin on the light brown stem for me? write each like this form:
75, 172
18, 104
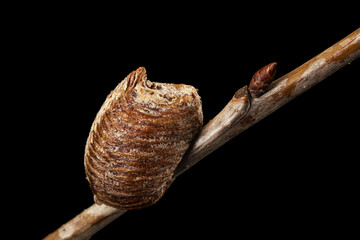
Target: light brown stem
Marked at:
236, 117
281, 91
87, 223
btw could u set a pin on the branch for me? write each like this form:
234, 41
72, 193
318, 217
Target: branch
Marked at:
238, 115
281, 92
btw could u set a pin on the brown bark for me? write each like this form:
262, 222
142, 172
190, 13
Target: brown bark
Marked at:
236, 117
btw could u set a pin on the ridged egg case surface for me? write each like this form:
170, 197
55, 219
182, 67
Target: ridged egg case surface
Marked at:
138, 138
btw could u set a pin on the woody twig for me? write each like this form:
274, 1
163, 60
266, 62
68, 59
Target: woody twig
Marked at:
239, 114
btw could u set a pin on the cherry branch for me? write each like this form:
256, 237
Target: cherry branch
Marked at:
238, 115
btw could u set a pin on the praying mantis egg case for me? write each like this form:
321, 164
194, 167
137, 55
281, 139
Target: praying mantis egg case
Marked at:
138, 138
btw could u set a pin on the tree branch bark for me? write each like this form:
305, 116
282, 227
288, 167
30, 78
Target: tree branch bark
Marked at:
238, 115
281, 92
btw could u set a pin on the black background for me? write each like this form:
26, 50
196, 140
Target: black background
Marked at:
291, 174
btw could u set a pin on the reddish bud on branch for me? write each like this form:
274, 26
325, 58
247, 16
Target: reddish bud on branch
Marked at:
261, 80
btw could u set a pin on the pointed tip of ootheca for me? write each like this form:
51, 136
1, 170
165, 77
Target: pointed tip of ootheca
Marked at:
135, 77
